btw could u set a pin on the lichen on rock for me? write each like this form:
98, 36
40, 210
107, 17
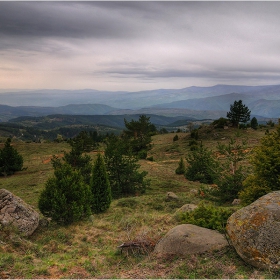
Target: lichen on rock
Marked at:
254, 231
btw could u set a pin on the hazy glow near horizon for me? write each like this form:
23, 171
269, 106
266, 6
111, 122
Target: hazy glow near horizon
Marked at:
138, 45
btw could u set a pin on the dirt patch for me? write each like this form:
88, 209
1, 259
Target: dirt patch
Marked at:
49, 158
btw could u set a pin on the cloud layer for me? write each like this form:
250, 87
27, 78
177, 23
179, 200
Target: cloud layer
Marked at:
138, 45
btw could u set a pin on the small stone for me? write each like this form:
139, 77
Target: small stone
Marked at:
171, 196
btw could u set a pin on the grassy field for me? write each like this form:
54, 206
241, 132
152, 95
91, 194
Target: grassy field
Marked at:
89, 249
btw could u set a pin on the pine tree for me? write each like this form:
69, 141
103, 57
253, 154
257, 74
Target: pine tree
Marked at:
66, 198
266, 163
231, 172
238, 113
78, 160
181, 169
122, 167
139, 133
100, 187
201, 166
10, 160
254, 123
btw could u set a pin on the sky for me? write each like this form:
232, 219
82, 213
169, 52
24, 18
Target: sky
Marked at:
133, 46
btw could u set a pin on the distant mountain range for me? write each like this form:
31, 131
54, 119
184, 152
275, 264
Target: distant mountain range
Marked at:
191, 103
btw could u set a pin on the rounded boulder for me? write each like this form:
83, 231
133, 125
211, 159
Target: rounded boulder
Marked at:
254, 232
15, 212
187, 239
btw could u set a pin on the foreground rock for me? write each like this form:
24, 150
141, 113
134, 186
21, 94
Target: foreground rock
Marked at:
189, 239
14, 211
255, 232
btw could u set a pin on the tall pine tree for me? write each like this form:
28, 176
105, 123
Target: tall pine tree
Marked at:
238, 113
100, 187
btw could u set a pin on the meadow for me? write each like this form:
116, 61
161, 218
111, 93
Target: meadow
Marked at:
89, 249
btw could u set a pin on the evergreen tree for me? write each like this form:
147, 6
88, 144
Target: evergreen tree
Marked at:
139, 133
175, 138
254, 123
122, 167
10, 160
78, 160
181, 169
66, 198
100, 187
266, 167
238, 113
231, 172
201, 166
87, 141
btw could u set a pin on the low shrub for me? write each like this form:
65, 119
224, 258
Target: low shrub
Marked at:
142, 154
220, 123
175, 138
193, 142
194, 134
252, 193
207, 216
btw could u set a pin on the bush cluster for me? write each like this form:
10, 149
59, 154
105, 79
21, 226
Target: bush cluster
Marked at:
225, 169
68, 196
79, 188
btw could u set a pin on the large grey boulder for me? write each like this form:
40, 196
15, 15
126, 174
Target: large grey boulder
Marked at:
255, 232
190, 239
15, 212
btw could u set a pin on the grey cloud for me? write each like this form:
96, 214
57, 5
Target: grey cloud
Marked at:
59, 19
142, 40
213, 73
79, 19
132, 20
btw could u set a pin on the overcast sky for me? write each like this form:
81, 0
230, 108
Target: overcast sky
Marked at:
138, 45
